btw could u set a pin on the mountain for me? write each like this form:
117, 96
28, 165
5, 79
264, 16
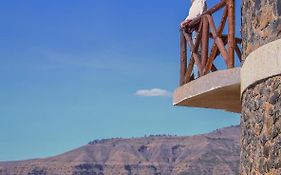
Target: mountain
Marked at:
215, 153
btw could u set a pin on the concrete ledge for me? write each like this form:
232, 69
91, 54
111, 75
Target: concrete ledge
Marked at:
262, 63
217, 90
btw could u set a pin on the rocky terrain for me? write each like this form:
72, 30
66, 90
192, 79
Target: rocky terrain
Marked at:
216, 153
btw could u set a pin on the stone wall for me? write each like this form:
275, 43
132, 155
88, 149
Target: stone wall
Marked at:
261, 128
261, 102
261, 23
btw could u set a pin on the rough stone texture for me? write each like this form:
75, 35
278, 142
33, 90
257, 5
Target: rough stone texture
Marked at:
261, 102
261, 128
261, 23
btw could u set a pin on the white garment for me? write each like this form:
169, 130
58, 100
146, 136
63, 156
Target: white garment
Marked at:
196, 9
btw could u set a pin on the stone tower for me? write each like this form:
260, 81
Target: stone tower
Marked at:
261, 88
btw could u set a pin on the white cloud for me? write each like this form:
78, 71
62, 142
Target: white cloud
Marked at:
155, 92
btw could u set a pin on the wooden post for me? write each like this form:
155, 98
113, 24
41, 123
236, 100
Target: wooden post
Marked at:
231, 33
189, 69
183, 57
205, 41
214, 49
217, 39
194, 49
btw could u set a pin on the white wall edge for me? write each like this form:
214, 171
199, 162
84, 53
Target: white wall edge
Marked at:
262, 63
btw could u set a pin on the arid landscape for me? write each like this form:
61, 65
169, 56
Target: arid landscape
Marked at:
215, 153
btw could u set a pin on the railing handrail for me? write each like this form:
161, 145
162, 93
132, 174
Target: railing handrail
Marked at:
209, 11
207, 30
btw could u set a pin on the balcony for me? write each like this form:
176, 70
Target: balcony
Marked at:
202, 84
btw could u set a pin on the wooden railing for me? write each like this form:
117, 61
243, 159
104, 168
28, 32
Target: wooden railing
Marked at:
224, 45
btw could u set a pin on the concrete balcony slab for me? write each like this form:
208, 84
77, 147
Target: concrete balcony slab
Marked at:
216, 90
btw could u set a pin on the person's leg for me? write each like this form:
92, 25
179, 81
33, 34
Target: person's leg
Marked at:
195, 69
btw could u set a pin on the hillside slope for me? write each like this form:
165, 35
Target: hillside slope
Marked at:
216, 153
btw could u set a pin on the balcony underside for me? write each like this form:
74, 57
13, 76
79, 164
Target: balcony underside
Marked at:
216, 90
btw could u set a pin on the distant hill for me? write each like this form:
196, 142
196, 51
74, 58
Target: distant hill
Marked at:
216, 153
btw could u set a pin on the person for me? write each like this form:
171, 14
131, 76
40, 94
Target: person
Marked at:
196, 9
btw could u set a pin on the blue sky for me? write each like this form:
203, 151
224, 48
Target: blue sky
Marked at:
70, 70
